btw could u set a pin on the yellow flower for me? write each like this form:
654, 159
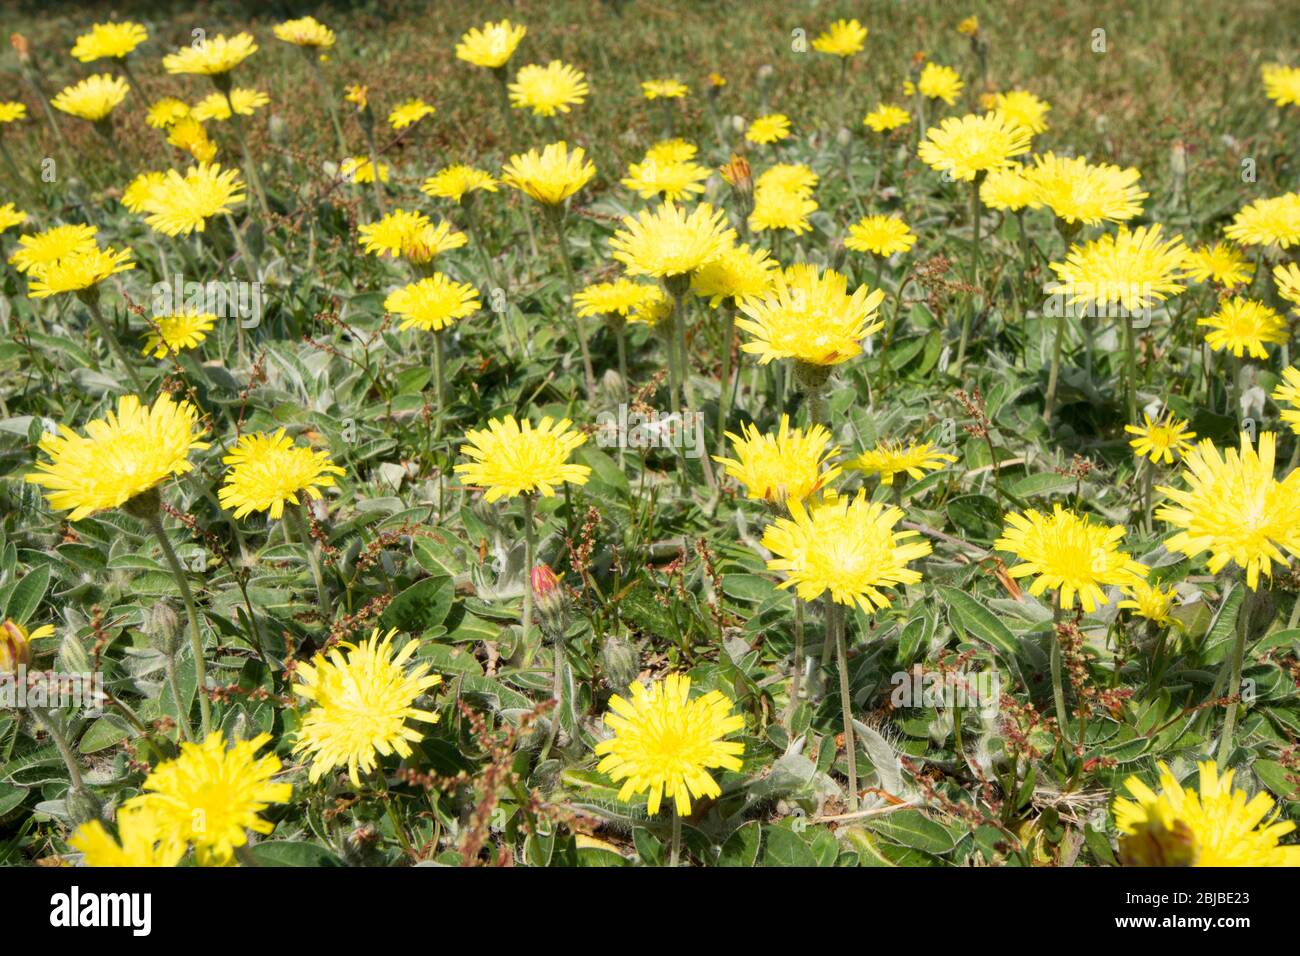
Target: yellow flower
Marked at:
455, 181
1218, 826
37, 251
363, 696
211, 796
666, 241
1077, 191
1023, 109
841, 38
359, 169
550, 89
16, 644
433, 303
166, 111
412, 111
1287, 279
654, 308
1151, 602
11, 111
847, 546
266, 471
1161, 440
358, 95
1007, 189
810, 317
1281, 83
11, 216
211, 57
305, 32
881, 235
885, 117
1221, 263
672, 180
969, 145
716, 80
619, 297
142, 191
177, 332
551, 176
109, 41
512, 458
1133, 269
1234, 508
1267, 222
409, 234
181, 205
771, 128
664, 89
787, 465
665, 744
78, 272
890, 458
969, 26
188, 134
787, 177
778, 208
214, 105
120, 456
93, 98
739, 273
669, 151
1068, 553
1288, 392
492, 46
939, 82
1243, 325
138, 842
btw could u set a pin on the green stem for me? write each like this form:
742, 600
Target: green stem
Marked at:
557, 218
192, 612
1235, 663
969, 314
796, 679
557, 692
250, 169
530, 557
106, 331
61, 742
724, 383
438, 384
328, 95
836, 621
1130, 370
674, 855
1054, 373
302, 531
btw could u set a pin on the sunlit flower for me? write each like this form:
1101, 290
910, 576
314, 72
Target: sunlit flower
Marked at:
669, 151
358, 94
880, 235
667, 241
811, 317
412, 111
1078, 191
305, 32
1070, 554
1281, 83
1152, 603
886, 117
1221, 263
1288, 393
619, 297
672, 180
214, 105
789, 465
1008, 189
1267, 222
11, 216
969, 145
786, 177
664, 89
1161, 440
78, 272
888, 459
174, 333
777, 208
181, 205
1023, 109
739, 273
841, 38
969, 26
455, 181
768, 129
212, 56
551, 176
11, 111
547, 90
166, 111
1287, 279
1219, 826
939, 82
1245, 326
1134, 269
359, 169
188, 134
513, 458
139, 841
109, 41
363, 696
37, 250
93, 98
410, 235
432, 303
268, 471
492, 45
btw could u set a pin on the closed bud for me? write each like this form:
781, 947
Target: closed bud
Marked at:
162, 625
15, 647
619, 662
551, 602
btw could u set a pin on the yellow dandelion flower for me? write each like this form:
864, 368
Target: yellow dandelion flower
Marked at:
1288, 393
1217, 826
1161, 440
668, 151
664, 744
886, 117
11, 216
739, 273
780, 208
671, 89
358, 95
654, 308
11, 111
183, 204
411, 235
969, 26
139, 841
1234, 508
1152, 603
359, 169
433, 303
266, 471
38, 250
455, 181
492, 46
619, 297
1070, 554
1243, 325
175, 333
1007, 189
109, 41
408, 113
551, 176
211, 796
811, 317
786, 177
842, 38
305, 32
938, 82
969, 145
162, 113
1077, 191
888, 459
547, 90
1281, 83
212, 56
771, 128
881, 235
1267, 222
673, 181
1023, 109
93, 98
188, 134
1221, 263
1134, 269
512, 458
667, 241
789, 465
78, 272
1287, 279
214, 105
122, 455
363, 696
142, 191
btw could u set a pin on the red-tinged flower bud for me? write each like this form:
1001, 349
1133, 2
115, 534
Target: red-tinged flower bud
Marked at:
21, 47
15, 647
551, 602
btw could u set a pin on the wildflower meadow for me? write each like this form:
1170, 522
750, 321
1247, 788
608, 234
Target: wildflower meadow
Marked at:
638, 434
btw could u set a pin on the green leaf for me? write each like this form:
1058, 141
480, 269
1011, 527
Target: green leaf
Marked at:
912, 828
977, 619
292, 853
423, 605
26, 595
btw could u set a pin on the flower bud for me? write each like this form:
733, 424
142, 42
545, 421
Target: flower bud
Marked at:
73, 657
551, 602
619, 662
162, 625
15, 647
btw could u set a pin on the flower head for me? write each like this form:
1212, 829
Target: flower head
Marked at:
1161, 440
739, 273
513, 458
213, 56
163, 112
409, 113
142, 191
1077, 191
11, 216
777, 207
886, 117
888, 459
1281, 83
1069, 553
1243, 325
211, 796
619, 297
788, 465
188, 134
969, 145
109, 41
181, 205
1286, 277
1134, 269
842, 38
880, 235
455, 181
667, 241
671, 89
492, 45
1151, 602
11, 111
1288, 393
174, 333
1234, 508
214, 106
1217, 826
660, 176
79, 271
433, 303
771, 128
551, 176
305, 32
1023, 109
139, 841
93, 98
1008, 189
547, 90
38, 250
939, 82
411, 235
364, 694
359, 169
665, 744
1267, 222
811, 317
266, 471
847, 546
1221, 263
